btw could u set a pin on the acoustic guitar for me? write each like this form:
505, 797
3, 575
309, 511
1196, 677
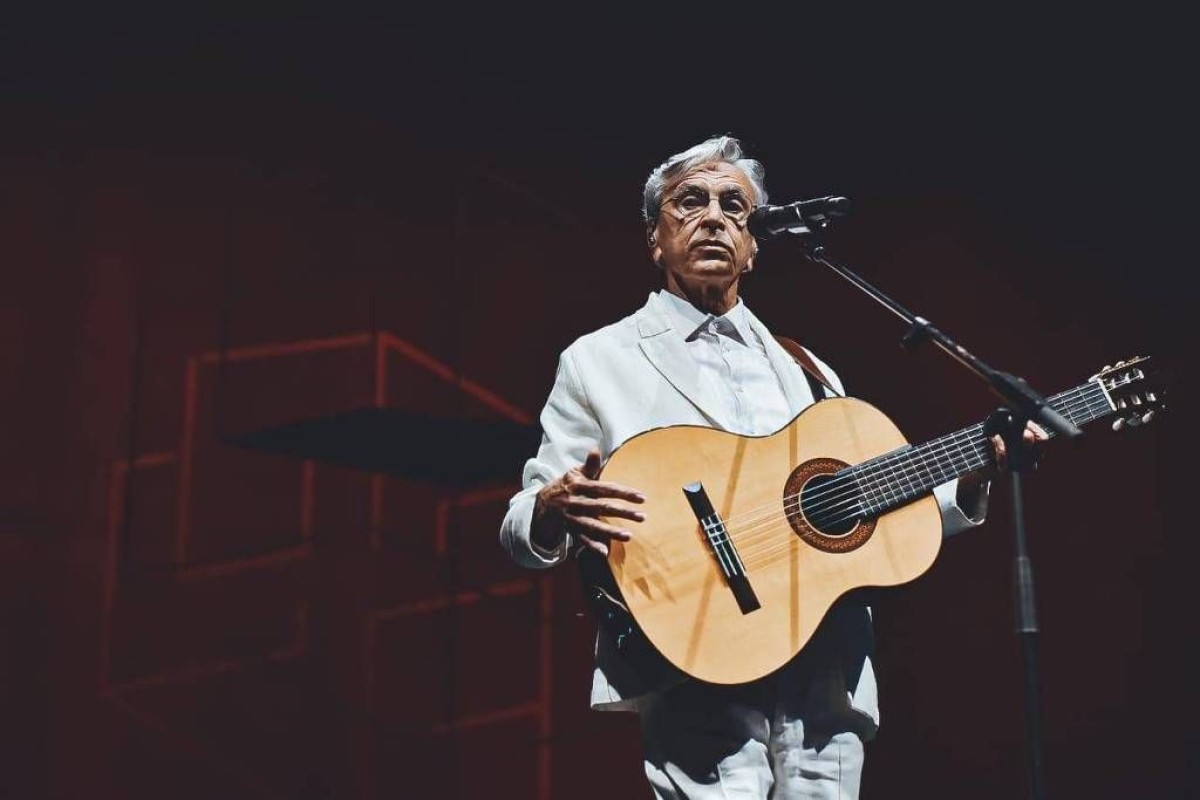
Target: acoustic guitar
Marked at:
748, 540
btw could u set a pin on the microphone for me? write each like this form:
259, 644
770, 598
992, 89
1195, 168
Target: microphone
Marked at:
799, 217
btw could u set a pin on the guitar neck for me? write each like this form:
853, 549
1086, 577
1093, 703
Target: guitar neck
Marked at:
901, 476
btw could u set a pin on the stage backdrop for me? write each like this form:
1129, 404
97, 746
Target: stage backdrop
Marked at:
279, 362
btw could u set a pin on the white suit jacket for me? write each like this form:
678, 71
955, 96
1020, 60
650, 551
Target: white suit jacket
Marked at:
636, 375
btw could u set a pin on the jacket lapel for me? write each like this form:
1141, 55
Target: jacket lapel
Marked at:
666, 350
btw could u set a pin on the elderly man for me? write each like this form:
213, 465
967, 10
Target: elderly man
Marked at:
695, 355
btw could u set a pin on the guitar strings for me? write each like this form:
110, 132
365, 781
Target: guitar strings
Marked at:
844, 493
751, 540
878, 469
759, 542
763, 551
873, 476
750, 535
753, 529
759, 546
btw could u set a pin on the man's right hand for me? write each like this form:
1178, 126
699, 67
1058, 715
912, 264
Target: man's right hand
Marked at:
575, 501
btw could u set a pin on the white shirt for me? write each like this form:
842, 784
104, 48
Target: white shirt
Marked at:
733, 365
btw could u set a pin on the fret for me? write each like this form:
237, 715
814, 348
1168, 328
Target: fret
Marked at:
866, 502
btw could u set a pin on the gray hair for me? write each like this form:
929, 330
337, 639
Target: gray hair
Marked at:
718, 149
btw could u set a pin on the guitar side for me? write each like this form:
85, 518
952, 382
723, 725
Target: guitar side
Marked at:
670, 578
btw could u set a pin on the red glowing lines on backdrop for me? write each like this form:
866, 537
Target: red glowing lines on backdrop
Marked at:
119, 692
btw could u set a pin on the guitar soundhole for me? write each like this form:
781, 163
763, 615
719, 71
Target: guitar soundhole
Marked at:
824, 514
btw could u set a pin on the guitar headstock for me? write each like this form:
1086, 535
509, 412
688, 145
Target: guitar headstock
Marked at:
1135, 393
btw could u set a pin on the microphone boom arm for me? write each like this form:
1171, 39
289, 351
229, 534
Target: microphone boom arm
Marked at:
1012, 390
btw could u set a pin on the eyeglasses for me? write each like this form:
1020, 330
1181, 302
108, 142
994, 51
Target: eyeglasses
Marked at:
693, 203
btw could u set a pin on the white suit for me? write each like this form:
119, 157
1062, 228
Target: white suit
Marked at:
636, 375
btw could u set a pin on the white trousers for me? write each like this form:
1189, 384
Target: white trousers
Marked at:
705, 742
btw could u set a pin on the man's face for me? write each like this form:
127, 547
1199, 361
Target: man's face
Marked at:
701, 235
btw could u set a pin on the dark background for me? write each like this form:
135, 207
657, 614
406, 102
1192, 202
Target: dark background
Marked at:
214, 223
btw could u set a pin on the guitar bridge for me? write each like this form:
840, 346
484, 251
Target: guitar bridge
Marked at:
722, 547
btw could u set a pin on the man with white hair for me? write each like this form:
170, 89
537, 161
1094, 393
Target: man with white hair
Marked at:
695, 355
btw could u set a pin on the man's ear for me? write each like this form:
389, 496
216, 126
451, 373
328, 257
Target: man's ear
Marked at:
753, 255
655, 250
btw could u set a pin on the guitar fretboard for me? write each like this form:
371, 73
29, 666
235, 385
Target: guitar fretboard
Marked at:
901, 476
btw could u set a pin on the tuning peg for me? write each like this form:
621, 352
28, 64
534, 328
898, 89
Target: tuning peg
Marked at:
1134, 420
1150, 397
1119, 364
1149, 415
1118, 423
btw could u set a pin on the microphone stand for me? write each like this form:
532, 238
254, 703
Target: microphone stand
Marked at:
1021, 403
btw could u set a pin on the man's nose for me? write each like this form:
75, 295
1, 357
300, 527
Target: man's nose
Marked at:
713, 215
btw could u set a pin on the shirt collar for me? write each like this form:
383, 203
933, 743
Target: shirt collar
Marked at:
691, 321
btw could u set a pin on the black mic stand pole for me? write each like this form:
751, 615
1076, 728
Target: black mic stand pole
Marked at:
1011, 427
1021, 403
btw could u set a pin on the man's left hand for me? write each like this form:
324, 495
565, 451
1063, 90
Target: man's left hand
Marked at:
970, 495
1032, 438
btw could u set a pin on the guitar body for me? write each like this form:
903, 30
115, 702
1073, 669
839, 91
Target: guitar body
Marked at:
670, 578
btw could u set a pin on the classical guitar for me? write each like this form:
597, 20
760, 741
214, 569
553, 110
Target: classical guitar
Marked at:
748, 541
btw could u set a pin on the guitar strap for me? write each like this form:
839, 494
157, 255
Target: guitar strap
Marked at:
820, 385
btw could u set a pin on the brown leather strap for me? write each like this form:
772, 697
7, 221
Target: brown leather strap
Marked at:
801, 356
